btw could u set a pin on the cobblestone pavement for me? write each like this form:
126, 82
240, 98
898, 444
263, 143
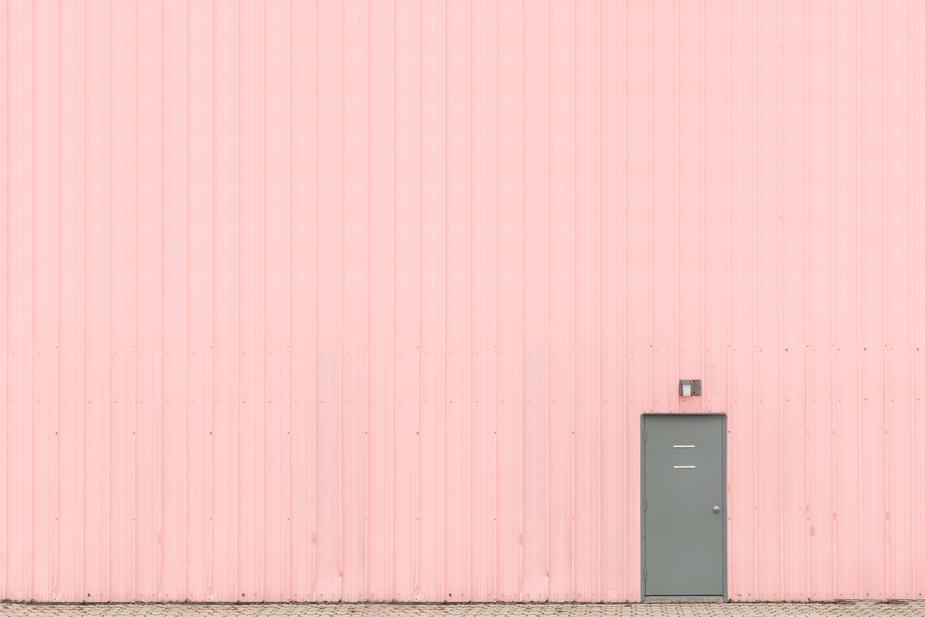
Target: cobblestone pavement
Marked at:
846, 609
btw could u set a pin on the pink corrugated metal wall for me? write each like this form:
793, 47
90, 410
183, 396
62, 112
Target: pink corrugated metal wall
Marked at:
363, 300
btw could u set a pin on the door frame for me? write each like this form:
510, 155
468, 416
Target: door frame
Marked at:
642, 511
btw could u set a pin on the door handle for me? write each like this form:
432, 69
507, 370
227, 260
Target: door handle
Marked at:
716, 508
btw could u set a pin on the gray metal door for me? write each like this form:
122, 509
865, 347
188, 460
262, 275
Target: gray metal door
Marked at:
684, 505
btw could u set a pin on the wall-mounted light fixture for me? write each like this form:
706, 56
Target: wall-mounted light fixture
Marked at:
689, 387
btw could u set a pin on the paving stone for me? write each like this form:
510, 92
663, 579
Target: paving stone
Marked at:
839, 609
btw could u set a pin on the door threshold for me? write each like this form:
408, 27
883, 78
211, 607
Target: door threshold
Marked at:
682, 599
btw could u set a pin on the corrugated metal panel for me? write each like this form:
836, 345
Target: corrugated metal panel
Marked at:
363, 300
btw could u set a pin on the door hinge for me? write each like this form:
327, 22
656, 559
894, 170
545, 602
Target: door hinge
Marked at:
645, 504
645, 574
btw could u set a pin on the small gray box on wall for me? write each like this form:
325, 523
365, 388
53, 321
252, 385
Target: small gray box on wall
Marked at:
689, 387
